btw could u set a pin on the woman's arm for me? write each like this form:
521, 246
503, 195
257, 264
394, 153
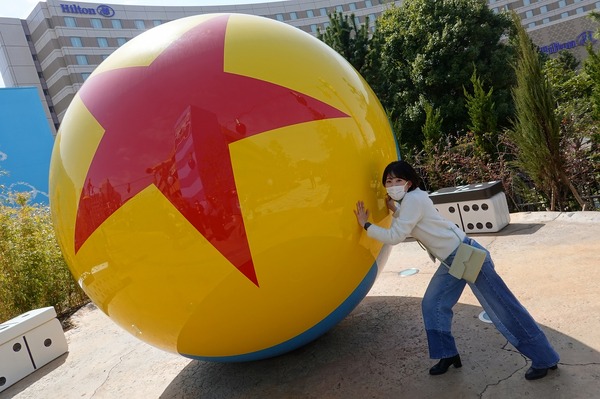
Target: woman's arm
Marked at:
405, 219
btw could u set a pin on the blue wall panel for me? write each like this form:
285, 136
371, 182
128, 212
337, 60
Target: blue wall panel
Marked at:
25, 143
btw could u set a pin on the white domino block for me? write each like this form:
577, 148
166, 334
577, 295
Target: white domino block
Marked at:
478, 216
15, 362
476, 208
25, 322
451, 212
28, 342
485, 216
46, 343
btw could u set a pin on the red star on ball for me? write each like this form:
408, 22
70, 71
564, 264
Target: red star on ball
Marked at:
170, 124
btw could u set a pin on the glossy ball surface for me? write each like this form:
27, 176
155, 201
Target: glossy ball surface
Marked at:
203, 181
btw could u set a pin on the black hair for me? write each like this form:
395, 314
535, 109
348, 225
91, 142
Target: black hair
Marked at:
404, 171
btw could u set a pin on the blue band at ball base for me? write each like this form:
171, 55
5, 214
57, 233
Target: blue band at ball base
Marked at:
309, 335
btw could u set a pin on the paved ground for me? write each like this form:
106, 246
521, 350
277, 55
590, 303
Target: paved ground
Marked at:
550, 260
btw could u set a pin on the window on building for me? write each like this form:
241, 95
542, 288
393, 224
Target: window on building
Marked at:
528, 14
368, 3
70, 22
81, 59
102, 42
564, 15
546, 21
293, 15
85, 75
279, 17
76, 42
156, 22
352, 6
543, 9
526, 2
121, 41
116, 24
139, 24
579, 10
325, 25
323, 12
339, 8
96, 23
598, 5
531, 25
310, 13
313, 28
562, 3
357, 20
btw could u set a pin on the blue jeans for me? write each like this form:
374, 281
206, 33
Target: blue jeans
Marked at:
503, 308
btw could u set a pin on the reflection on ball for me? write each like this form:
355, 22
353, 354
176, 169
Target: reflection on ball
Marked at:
203, 181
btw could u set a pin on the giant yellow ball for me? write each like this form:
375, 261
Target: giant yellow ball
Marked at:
203, 181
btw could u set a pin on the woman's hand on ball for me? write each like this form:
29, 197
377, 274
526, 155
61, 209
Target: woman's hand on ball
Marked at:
362, 214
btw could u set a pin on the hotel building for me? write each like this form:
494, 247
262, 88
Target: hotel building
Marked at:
60, 43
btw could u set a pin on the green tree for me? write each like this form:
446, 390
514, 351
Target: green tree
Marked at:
536, 128
592, 68
430, 49
432, 129
353, 42
481, 108
573, 88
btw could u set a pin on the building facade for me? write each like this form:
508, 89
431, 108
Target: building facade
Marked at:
60, 43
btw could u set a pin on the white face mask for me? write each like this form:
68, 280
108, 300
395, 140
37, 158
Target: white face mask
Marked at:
396, 192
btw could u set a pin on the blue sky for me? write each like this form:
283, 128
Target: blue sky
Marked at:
22, 8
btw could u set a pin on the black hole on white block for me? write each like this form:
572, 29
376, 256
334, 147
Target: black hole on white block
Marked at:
2, 381
475, 207
484, 207
466, 208
489, 225
470, 226
451, 209
479, 226
47, 342
17, 347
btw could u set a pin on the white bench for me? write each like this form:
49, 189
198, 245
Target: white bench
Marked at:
28, 342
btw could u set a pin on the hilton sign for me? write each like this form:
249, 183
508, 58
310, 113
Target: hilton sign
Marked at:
581, 40
102, 9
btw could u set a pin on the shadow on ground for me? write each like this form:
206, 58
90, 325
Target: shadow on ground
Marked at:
380, 351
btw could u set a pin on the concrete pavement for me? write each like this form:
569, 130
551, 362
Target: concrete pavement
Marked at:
550, 260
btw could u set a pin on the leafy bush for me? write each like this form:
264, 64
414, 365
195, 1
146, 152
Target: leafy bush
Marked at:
458, 161
33, 272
